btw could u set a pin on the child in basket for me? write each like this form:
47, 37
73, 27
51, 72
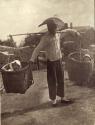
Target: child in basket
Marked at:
12, 66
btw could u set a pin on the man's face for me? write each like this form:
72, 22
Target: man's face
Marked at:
52, 28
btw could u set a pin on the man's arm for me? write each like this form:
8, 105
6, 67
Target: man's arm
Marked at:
43, 44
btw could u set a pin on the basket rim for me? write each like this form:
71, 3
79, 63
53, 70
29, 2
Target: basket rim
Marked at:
73, 59
21, 70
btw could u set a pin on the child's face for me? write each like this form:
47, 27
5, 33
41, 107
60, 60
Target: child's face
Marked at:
87, 59
15, 66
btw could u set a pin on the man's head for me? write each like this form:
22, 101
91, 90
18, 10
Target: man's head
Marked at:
52, 28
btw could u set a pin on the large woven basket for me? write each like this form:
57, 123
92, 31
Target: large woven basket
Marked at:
18, 81
79, 71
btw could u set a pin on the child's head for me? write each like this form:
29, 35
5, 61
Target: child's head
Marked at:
16, 65
86, 58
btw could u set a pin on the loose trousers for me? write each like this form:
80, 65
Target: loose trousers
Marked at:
55, 79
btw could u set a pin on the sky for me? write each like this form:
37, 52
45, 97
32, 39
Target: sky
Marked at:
24, 16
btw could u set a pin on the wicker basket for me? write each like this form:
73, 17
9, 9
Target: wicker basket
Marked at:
78, 70
17, 81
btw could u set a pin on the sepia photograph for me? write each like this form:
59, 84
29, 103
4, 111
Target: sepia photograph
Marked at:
47, 62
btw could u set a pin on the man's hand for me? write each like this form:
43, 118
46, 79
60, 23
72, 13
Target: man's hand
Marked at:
32, 61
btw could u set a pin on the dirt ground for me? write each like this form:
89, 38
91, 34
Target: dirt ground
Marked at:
34, 107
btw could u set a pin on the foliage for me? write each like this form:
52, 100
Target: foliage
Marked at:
32, 40
9, 42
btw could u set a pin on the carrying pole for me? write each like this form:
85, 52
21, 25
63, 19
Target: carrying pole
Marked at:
25, 34
39, 33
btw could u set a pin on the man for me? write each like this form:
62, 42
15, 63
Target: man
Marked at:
50, 42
